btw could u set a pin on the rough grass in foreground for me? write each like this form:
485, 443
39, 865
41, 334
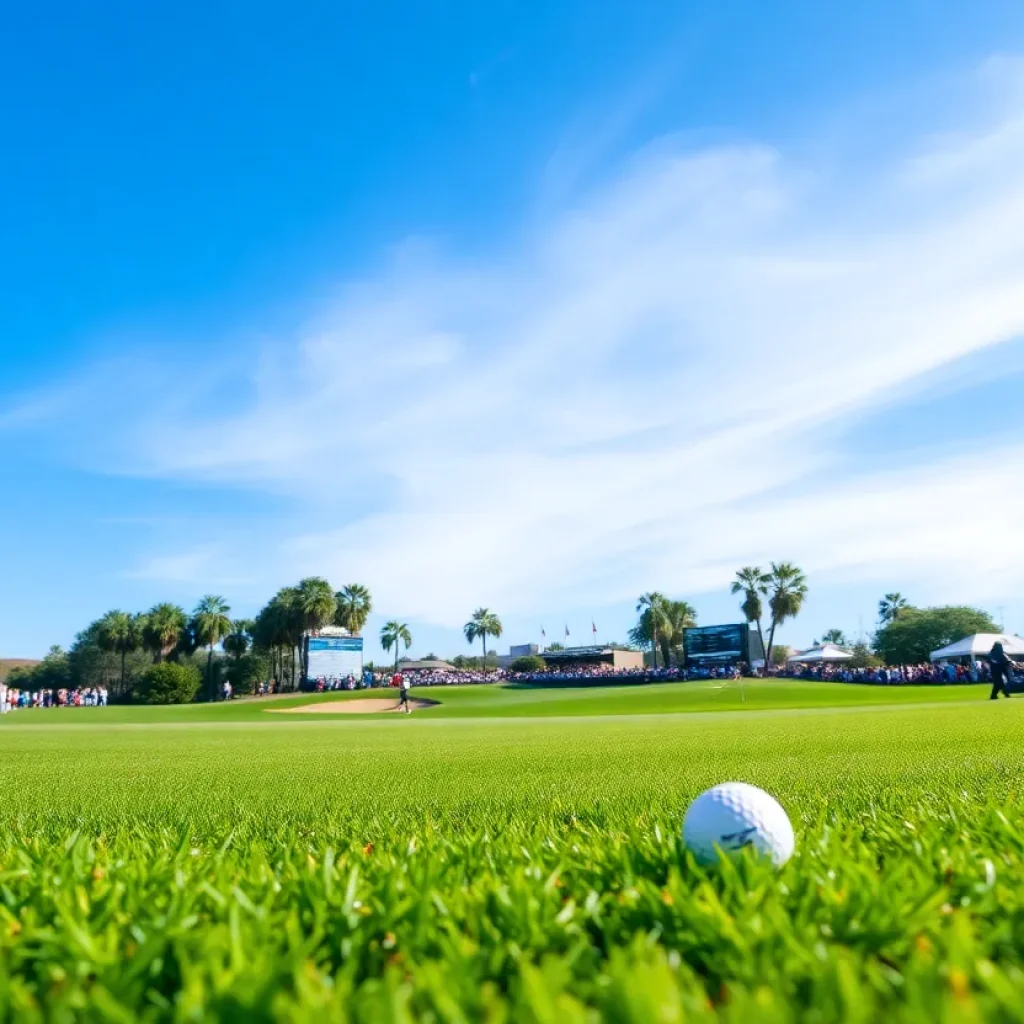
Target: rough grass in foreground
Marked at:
462, 870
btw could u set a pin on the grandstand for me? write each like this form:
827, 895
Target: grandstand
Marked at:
608, 657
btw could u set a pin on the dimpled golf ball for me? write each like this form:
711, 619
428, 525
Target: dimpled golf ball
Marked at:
735, 816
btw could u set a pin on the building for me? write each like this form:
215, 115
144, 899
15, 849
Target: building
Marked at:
522, 650
426, 665
608, 657
516, 651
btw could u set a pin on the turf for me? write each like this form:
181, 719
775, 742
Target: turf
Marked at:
504, 701
459, 865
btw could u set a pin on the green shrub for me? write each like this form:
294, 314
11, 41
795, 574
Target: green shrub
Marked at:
863, 657
245, 672
916, 632
168, 683
528, 663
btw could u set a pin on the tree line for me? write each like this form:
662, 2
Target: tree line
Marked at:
905, 634
167, 655
663, 622
482, 624
118, 648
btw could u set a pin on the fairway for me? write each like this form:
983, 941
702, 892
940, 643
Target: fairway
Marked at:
514, 853
528, 701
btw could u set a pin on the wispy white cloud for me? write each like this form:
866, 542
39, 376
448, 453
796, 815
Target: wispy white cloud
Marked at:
201, 568
641, 393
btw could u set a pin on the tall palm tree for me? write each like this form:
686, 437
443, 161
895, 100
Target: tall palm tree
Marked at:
394, 634
162, 627
679, 617
354, 607
787, 589
483, 624
293, 627
237, 642
891, 607
273, 630
120, 633
316, 605
752, 582
651, 607
834, 636
210, 624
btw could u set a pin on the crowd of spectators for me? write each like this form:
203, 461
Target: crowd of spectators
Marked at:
417, 677
462, 677
14, 699
901, 675
326, 683
571, 674
450, 677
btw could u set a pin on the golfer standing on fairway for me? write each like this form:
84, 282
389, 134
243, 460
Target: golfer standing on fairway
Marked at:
1000, 670
403, 693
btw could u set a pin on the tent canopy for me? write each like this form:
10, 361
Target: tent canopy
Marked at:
821, 652
427, 665
979, 644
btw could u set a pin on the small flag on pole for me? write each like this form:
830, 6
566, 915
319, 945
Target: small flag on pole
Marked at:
567, 629
593, 627
543, 635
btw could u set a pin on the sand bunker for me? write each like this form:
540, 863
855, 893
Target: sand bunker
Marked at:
361, 706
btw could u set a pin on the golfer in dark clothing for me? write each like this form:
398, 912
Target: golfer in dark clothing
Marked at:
1000, 671
403, 698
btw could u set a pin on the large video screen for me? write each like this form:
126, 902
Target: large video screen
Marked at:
716, 643
335, 657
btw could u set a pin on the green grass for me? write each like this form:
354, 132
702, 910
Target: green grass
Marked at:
514, 855
500, 701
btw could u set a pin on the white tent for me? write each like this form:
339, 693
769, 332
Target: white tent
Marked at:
978, 645
820, 653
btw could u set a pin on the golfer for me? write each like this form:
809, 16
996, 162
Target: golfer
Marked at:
403, 694
1001, 665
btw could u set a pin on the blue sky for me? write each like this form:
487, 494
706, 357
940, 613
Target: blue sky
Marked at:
533, 308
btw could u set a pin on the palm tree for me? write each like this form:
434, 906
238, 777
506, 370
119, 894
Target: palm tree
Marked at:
891, 607
354, 607
274, 630
483, 624
162, 627
679, 617
210, 624
653, 620
752, 582
237, 642
316, 606
292, 623
393, 634
787, 588
834, 636
120, 633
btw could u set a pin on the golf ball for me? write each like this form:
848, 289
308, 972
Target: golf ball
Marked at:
734, 816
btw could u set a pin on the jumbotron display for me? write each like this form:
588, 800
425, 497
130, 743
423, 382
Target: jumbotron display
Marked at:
724, 644
335, 657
